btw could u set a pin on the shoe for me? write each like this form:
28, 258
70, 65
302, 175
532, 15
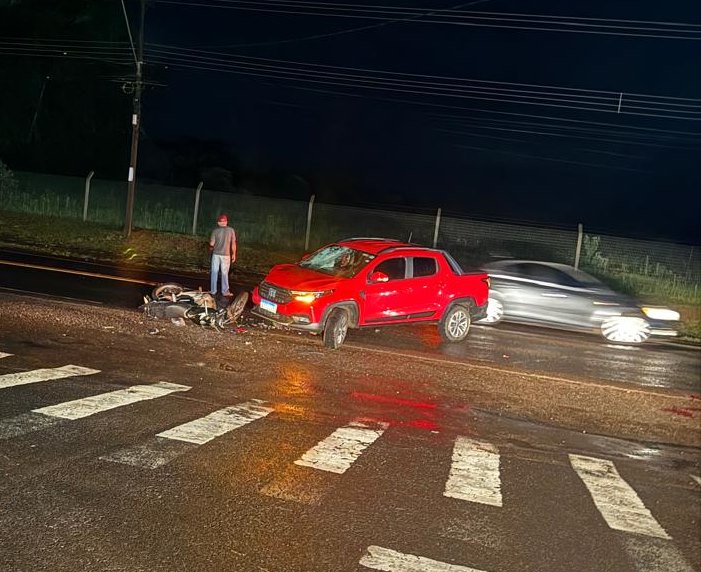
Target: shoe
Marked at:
213, 293
228, 294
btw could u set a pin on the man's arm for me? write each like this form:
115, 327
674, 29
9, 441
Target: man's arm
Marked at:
233, 247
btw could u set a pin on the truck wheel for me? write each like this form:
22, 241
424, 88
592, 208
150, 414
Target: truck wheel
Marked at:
455, 324
336, 328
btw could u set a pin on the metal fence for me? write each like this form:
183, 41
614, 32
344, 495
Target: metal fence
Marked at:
298, 225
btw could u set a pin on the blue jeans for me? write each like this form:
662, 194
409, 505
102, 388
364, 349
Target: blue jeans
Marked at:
221, 264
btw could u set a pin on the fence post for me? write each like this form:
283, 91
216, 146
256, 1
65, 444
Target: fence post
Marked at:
197, 207
310, 208
435, 230
580, 235
87, 195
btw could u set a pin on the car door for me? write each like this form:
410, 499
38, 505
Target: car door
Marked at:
423, 287
388, 301
549, 295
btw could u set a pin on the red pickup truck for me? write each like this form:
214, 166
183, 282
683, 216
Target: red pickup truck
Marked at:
363, 282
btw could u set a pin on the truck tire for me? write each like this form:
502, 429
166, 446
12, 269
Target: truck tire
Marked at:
455, 323
336, 328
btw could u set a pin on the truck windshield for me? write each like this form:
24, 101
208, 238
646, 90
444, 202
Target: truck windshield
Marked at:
338, 261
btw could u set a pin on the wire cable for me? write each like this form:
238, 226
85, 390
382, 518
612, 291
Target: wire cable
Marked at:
300, 72
516, 22
131, 39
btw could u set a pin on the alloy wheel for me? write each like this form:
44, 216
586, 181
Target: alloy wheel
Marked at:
458, 324
625, 330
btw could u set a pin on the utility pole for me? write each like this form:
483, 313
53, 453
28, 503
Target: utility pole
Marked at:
135, 125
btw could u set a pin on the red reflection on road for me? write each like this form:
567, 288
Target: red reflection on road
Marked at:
684, 411
393, 400
424, 415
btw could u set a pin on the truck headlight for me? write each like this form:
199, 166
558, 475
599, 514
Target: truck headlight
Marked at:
309, 297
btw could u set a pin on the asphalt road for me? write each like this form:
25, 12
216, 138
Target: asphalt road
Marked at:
538, 350
124, 452
150, 458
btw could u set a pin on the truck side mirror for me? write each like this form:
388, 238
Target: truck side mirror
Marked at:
379, 277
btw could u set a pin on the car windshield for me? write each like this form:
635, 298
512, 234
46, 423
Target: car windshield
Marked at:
337, 260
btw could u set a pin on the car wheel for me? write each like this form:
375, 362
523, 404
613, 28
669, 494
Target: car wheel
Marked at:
495, 312
336, 328
625, 330
455, 324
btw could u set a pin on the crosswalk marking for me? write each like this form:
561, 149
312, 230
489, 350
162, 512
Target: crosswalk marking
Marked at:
616, 500
45, 417
215, 424
339, 450
2, 355
474, 473
37, 375
80, 408
172, 443
387, 560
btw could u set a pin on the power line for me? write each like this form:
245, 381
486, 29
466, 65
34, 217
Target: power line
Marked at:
515, 22
570, 136
337, 32
61, 41
378, 80
337, 5
229, 57
131, 40
618, 130
551, 159
82, 56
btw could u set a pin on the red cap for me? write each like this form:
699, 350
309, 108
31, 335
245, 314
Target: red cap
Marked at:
223, 218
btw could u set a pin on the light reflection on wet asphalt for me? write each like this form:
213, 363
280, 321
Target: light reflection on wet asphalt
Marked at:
550, 352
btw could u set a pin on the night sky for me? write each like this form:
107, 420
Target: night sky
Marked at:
409, 107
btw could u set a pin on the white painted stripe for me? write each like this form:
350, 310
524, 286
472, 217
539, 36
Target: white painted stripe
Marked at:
616, 500
215, 424
2, 355
342, 448
474, 474
80, 408
37, 375
379, 558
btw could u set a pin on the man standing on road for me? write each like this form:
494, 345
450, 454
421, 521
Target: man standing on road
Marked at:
222, 243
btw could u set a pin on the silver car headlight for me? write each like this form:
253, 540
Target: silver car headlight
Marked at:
661, 314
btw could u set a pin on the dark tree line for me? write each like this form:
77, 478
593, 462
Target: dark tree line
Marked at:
62, 114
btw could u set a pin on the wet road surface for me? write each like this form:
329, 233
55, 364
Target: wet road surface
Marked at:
529, 349
113, 464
